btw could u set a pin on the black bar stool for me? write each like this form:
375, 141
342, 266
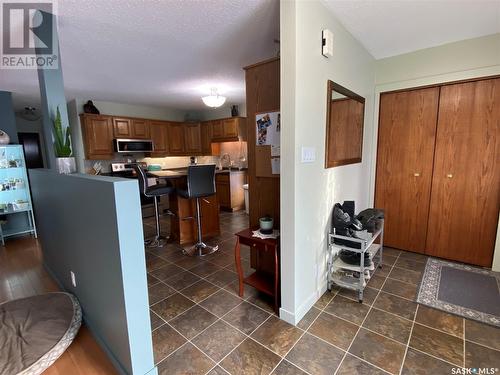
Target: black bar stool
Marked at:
200, 183
153, 191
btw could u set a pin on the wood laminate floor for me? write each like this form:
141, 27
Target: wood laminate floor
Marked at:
22, 275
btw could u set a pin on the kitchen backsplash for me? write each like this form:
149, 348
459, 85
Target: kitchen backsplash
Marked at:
167, 162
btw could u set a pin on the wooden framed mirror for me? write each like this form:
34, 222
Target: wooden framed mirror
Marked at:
344, 126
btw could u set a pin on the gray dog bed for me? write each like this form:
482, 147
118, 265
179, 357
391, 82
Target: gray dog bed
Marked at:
35, 331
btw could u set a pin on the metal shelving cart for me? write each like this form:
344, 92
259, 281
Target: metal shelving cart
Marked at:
16, 209
336, 267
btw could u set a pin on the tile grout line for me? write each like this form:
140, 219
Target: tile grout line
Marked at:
408, 342
366, 316
237, 346
303, 334
463, 328
433, 356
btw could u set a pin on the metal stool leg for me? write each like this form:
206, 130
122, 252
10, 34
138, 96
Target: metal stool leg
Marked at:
200, 248
158, 240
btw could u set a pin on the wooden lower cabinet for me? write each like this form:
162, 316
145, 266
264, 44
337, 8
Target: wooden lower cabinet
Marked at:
183, 224
230, 191
97, 132
438, 176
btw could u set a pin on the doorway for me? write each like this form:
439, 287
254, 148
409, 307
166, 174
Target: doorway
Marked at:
32, 149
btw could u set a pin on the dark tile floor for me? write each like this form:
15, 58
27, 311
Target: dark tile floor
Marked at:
201, 326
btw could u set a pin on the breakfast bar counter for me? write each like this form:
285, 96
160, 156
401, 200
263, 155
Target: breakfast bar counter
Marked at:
183, 223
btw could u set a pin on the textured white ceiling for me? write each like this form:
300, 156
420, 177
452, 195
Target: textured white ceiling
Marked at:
157, 52
392, 27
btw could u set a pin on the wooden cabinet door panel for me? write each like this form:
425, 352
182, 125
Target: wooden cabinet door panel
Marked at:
206, 138
192, 138
407, 129
158, 133
224, 194
175, 138
140, 129
466, 184
98, 137
230, 128
217, 129
121, 127
209, 209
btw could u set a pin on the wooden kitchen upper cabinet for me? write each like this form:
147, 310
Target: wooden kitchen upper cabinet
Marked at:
121, 127
140, 129
192, 138
159, 134
175, 138
97, 131
206, 137
229, 129
217, 130
133, 128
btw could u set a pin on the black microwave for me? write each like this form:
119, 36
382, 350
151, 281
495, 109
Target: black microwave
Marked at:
133, 145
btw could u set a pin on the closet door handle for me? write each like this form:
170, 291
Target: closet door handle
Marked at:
449, 175
416, 174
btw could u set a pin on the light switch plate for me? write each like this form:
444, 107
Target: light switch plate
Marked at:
308, 154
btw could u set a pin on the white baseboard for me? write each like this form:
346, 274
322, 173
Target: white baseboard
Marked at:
287, 316
294, 318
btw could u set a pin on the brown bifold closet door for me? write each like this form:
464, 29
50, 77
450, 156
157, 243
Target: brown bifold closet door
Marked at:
407, 129
464, 205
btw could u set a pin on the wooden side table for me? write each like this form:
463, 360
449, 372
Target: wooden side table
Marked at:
263, 282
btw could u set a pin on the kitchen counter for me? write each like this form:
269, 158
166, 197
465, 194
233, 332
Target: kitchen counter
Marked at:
182, 172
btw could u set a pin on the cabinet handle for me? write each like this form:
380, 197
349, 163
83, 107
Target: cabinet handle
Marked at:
416, 174
449, 175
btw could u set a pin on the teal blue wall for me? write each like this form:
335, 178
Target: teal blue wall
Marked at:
92, 225
7, 117
52, 96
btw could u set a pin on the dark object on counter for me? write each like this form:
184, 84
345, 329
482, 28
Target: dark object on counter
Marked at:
350, 257
153, 191
89, 107
234, 111
370, 218
200, 184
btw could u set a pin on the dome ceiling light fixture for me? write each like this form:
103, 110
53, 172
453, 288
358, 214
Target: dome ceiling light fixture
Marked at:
214, 100
30, 114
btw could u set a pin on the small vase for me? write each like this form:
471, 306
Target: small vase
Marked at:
4, 138
234, 111
66, 165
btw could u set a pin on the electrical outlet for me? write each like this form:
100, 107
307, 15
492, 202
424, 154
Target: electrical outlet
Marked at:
308, 154
73, 279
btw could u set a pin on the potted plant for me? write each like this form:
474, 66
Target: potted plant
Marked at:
266, 224
62, 145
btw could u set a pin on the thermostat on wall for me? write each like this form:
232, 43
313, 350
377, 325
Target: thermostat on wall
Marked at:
327, 43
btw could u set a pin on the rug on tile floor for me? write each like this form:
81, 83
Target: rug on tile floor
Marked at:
471, 292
